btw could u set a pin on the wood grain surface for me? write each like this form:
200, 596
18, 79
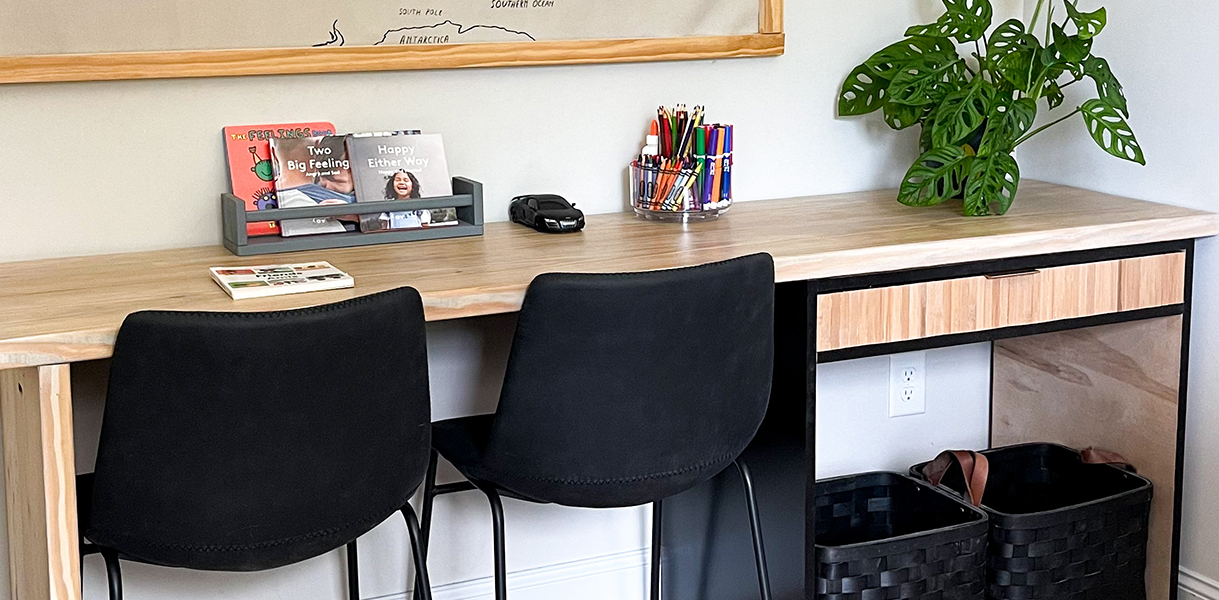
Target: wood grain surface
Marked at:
332, 59
968, 304
1152, 281
770, 16
62, 310
40, 483
1114, 387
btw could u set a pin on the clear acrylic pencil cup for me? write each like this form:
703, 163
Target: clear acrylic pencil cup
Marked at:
676, 190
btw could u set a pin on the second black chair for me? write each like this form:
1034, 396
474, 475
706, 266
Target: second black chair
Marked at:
623, 390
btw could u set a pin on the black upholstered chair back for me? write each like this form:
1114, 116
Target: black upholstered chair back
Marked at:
623, 389
246, 441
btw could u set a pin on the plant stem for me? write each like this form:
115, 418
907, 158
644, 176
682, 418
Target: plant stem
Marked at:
1036, 14
978, 57
1045, 127
1049, 20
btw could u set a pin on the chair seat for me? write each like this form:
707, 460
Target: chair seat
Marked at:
463, 442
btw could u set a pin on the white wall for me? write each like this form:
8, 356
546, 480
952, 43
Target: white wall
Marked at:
1166, 53
122, 166
855, 433
114, 167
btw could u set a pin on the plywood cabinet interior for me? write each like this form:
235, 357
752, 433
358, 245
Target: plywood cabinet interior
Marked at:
934, 308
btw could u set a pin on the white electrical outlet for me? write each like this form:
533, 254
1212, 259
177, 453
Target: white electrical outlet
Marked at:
907, 384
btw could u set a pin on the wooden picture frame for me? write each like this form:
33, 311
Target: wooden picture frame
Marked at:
769, 41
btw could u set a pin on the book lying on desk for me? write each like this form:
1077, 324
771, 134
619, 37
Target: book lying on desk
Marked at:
277, 280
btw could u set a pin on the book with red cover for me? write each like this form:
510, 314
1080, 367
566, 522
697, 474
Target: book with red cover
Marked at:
249, 158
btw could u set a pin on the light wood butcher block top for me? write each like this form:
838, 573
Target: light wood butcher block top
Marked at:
65, 310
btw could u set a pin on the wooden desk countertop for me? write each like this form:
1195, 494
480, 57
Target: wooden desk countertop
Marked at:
65, 310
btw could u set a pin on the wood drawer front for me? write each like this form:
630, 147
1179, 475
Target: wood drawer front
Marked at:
934, 308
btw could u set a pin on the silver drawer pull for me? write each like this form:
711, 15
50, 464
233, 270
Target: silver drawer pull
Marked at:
1013, 274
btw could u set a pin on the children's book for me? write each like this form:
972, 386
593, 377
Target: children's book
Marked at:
248, 148
402, 166
277, 280
311, 171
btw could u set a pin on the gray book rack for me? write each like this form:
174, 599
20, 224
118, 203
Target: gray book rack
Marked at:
467, 199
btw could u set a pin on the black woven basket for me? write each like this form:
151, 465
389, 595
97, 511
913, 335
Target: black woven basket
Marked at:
1061, 529
885, 536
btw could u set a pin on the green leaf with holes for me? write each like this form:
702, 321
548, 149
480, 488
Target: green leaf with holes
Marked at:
926, 81
978, 13
1111, 132
991, 184
1088, 24
1107, 85
903, 116
1053, 95
965, 21
889, 59
935, 177
1007, 38
1006, 123
962, 112
1016, 67
865, 88
863, 92
1066, 48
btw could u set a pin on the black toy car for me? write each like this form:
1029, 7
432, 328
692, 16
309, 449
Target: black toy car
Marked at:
546, 212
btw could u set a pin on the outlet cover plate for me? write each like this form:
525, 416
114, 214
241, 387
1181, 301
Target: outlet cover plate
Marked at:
907, 384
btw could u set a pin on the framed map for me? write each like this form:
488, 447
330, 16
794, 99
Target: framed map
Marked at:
74, 40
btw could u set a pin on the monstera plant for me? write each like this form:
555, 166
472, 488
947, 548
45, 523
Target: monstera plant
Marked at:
975, 110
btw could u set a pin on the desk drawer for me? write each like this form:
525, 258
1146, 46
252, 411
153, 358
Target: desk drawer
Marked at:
920, 310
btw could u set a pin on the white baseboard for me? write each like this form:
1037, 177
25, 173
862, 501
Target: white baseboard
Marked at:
632, 565
1197, 585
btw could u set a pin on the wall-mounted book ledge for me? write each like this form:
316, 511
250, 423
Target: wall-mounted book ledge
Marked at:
467, 199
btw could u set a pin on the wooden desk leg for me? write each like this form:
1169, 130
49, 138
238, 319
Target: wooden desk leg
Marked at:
40, 483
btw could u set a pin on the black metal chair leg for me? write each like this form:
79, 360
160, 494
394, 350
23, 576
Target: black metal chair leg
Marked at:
114, 575
656, 531
353, 572
423, 586
429, 497
755, 528
497, 522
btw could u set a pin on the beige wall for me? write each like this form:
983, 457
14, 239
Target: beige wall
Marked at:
115, 167
120, 166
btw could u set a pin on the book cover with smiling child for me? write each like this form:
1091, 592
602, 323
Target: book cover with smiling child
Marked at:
401, 166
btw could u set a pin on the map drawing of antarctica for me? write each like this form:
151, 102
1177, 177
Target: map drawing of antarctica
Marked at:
94, 26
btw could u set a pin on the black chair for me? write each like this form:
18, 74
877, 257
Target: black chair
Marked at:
249, 441
622, 390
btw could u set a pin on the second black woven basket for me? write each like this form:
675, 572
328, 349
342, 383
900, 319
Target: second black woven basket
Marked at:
885, 536
1061, 529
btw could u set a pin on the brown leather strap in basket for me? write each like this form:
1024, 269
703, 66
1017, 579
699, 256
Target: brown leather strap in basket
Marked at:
1095, 456
974, 466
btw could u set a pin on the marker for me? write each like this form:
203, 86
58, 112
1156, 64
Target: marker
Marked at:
726, 189
700, 156
721, 133
712, 172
